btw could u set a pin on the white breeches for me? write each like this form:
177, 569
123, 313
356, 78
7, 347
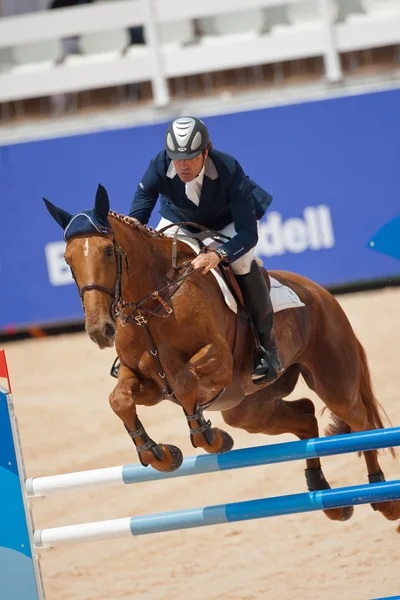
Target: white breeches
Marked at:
241, 266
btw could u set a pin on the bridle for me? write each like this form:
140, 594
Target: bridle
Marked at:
115, 292
134, 312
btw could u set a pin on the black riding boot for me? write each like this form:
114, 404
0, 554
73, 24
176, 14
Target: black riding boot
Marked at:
258, 303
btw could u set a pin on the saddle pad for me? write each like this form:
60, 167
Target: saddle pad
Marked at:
282, 297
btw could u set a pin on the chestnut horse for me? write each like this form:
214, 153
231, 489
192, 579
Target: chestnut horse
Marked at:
176, 339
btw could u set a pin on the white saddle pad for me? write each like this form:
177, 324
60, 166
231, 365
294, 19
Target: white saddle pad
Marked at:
282, 297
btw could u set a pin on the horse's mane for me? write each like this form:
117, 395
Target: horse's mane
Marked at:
132, 223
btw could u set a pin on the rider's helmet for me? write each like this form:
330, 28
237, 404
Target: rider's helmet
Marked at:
186, 138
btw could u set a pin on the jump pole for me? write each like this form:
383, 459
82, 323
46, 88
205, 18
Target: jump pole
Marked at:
215, 515
209, 463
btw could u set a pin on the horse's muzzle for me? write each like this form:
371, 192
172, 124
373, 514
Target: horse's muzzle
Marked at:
104, 337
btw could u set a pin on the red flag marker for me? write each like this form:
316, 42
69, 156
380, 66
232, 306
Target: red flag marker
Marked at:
4, 369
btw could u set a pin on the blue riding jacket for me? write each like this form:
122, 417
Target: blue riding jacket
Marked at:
227, 196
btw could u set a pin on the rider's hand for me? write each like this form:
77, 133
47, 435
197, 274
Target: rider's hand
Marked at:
205, 262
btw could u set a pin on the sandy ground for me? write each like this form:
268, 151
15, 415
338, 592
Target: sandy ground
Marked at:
61, 387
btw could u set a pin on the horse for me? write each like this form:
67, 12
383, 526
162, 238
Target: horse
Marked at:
176, 339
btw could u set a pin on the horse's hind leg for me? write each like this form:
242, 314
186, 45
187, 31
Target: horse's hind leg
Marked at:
390, 509
347, 392
358, 419
123, 400
266, 412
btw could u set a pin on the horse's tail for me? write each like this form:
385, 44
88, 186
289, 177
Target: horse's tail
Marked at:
337, 427
372, 406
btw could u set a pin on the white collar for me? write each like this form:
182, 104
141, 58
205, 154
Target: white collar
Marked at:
199, 179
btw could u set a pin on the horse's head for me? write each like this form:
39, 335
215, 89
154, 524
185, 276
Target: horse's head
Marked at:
94, 260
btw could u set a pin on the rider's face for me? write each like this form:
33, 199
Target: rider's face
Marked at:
189, 169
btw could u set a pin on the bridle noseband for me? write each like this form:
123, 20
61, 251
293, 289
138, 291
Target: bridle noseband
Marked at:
95, 286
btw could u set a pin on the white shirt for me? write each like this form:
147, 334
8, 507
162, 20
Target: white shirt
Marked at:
193, 188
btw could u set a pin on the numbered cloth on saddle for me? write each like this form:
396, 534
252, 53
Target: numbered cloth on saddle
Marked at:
282, 296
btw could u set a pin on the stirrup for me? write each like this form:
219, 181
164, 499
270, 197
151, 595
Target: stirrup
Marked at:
269, 366
115, 368
261, 366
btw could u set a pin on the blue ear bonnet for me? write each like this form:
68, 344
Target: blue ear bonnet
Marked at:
94, 220
86, 221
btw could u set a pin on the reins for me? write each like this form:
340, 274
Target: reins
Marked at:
169, 288
167, 291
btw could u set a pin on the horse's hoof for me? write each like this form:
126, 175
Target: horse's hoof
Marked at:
222, 442
177, 457
348, 512
390, 509
339, 514
162, 457
316, 481
227, 444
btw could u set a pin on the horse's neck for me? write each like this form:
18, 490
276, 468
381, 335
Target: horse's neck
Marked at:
148, 260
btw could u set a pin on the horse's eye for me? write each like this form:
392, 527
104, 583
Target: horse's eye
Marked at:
109, 251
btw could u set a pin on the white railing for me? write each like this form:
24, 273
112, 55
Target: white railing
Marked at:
157, 63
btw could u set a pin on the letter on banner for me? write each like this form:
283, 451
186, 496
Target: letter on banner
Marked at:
270, 241
326, 228
59, 271
295, 236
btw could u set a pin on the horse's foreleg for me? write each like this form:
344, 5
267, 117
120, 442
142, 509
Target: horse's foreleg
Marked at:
212, 367
129, 392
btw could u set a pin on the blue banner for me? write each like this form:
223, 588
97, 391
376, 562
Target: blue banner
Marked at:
331, 166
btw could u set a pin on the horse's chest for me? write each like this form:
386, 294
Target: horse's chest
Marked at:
146, 365
138, 361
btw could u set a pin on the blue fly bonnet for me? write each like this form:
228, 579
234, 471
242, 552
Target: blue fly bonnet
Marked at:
86, 221
93, 220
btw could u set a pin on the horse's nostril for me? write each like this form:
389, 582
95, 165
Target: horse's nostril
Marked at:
109, 331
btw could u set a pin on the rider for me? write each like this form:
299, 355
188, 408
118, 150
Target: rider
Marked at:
209, 187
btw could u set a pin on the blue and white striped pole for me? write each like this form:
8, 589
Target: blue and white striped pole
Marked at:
236, 459
215, 515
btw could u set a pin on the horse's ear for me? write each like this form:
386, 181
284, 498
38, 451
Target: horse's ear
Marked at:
61, 216
102, 202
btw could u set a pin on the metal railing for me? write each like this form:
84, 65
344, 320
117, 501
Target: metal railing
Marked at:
157, 63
